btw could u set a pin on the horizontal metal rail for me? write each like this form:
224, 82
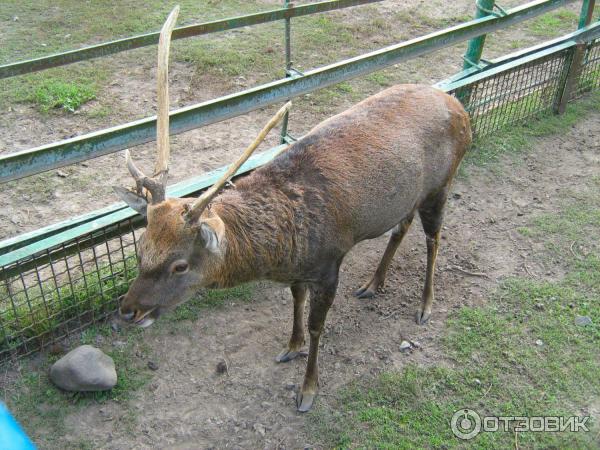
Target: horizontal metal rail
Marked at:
591, 33
36, 160
123, 212
121, 45
584, 34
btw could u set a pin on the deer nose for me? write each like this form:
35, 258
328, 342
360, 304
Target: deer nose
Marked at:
124, 312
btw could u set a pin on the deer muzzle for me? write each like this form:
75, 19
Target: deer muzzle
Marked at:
136, 315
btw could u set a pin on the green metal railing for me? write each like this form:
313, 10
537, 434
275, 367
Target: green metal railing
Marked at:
144, 40
66, 276
28, 162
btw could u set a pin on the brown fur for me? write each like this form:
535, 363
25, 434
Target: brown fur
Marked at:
353, 177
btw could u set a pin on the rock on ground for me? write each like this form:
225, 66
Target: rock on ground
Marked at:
85, 368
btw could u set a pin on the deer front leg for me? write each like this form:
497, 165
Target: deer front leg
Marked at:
299, 291
320, 301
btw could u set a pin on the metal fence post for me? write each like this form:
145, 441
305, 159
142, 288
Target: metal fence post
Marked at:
587, 11
475, 47
571, 79
288, 66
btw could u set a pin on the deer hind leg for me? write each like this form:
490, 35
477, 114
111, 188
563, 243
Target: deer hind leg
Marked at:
431, 213
293, 350
369, 289
321, 298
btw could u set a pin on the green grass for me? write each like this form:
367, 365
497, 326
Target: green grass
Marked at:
554, 23
52, 94
66, 88
494, 365
217, 298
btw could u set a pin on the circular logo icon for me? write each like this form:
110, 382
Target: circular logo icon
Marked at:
466, 424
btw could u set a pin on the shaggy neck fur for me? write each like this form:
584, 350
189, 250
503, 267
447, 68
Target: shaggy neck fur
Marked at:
260, 234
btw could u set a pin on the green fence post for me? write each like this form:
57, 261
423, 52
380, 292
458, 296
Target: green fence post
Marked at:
587, 11
288, 66
475, 47
571, 80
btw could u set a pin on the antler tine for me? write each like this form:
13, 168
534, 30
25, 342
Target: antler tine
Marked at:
162, 122
202, 202
136, 173
157, 185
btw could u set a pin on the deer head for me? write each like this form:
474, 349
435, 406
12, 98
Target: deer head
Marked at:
184, 241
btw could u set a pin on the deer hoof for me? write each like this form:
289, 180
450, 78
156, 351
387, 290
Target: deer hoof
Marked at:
304, 401
288, 355
365, 292
423, 317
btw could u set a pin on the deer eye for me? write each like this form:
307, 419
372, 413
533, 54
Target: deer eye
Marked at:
180, 267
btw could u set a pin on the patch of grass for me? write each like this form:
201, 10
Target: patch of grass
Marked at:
554, 23
53, 94
515, 44
249, 52
212, 298
66, 88
521, 354
379, 78
100, 112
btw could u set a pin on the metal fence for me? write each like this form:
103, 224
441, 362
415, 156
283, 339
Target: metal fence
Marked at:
66, 288
60, 279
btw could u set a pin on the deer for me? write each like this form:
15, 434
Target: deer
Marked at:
353, 177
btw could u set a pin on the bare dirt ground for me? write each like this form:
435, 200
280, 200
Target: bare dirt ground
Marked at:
189, 405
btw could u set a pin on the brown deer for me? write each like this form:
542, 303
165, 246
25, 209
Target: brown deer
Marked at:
353, 177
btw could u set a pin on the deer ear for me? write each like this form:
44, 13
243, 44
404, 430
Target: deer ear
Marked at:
133, 200
211, 231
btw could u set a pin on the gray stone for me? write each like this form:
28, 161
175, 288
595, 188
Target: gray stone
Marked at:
259, 428
85, 368
582, 321
405, 346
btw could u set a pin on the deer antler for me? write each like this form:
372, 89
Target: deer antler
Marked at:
157, 184
195, 210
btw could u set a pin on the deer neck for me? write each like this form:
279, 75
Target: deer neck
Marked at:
259, 233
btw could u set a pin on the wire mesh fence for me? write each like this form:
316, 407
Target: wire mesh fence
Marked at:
516, 95
589, 79
63, 289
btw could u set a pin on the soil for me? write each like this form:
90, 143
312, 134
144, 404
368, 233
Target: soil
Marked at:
191, 402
